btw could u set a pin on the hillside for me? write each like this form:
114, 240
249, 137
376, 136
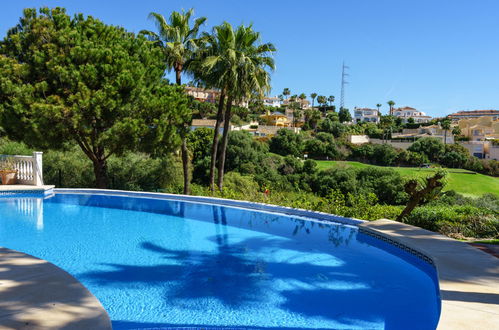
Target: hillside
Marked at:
462, 181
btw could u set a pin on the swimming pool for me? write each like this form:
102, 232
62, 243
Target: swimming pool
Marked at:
169, 263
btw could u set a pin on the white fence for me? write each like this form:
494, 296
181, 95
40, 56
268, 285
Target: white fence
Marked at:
29, 168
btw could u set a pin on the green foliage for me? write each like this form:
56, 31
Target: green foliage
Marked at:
67, 169
244, 152
380, 154
80, 79
455, 156
132, 171
433, 148
285, 142
331, 126
344, 115
241, 184
8, 147
456, 221
199, 143
323, 146
139, 171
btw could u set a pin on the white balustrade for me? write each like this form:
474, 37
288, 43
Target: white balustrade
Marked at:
29, 168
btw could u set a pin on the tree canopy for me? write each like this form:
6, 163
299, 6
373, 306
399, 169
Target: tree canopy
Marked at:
79, 79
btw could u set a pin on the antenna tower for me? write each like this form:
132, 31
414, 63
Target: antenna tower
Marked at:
343, 83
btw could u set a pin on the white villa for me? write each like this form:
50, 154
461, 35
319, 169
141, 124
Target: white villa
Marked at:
366, 115
272, 102
407, 112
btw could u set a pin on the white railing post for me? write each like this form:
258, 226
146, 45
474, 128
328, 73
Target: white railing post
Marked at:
38, 168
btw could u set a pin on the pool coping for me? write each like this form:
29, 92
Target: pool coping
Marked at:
468, 278
36, 294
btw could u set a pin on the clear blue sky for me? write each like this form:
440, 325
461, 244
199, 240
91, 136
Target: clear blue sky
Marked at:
437, 56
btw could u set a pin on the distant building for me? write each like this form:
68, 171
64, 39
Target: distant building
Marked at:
208, 123
276, 119
405, 113
434, 131
366, 115
269, 131
304, 104
272, 102
480, 128
475, 114
202, 94
208, 95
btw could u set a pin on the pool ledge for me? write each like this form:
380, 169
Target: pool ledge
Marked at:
35, 294
468, 277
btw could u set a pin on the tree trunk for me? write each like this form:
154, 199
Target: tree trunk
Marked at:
185, 166
184, 150
221, 161
214, 146
445, 136
100, 171
178, 76
408, 209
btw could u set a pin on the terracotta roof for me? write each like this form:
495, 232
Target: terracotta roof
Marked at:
475, 113
404, 108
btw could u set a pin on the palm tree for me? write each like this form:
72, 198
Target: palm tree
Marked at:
331, 100
313, 96
237, 64
321, 99
391, 104
378, 106
179, 41
286, 92
445, 124
386, 122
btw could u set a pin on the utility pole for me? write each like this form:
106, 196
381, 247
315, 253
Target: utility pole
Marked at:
343, 83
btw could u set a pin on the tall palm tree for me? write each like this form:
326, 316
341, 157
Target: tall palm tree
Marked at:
391, 104
322, 100
179, 41
445, 124
237, 63
331, 100
286, 92
313, 96
378, 106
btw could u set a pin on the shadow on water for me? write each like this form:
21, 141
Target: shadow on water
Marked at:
234, 277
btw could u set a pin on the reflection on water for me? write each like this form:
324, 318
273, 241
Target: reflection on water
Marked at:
178, 264
29, 209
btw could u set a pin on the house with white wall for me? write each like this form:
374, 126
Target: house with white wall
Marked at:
405, 113
366, 115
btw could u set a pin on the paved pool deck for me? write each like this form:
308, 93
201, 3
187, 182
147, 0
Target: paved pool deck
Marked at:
35, 294
468, 277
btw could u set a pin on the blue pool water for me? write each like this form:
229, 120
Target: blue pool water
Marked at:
158, 263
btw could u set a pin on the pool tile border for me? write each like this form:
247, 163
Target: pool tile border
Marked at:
399, 245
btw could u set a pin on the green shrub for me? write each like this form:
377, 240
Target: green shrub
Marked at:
241, 184
68, 169
8, 147
138, 171
456, 221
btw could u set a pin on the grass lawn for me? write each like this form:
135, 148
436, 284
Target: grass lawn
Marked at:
464, 182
